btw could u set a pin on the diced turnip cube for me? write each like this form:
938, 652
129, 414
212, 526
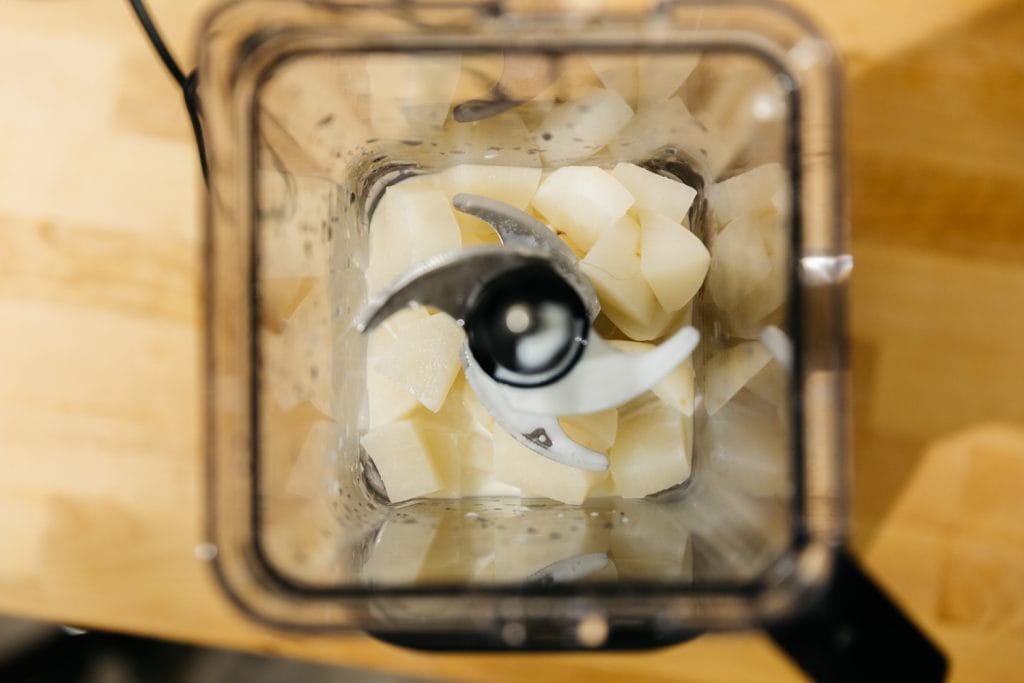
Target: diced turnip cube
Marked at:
618, 73
659, 76
409, 226
279, 299
613, 266
430, 223
582, 202
471, 442
579, 128
388, 401
513, 185
667, 123
771, 384
310, 473
536, 475
672, 259
768, 295
296, 245
411, 95
653, 192
401, 452
477, 452
483, 482
748, 448
482, 421
734, 115
759, 188
284, 435
651, 450
595, 431
448, 450
297, 362
502, 140
398, 555
424, 360
382, 337
459, 552
739, 261
458, 446
729, 370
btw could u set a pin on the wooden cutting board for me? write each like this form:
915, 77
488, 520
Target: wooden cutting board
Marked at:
100, 492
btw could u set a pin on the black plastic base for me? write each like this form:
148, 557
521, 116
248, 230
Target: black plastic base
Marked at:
857, 633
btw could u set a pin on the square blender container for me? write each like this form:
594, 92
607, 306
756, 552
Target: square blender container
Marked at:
315, 112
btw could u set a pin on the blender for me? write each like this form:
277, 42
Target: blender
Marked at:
526, 328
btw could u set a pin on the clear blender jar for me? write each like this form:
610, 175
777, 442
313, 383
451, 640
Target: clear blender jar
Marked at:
347, 145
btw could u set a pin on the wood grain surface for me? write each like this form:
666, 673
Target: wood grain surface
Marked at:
100, 490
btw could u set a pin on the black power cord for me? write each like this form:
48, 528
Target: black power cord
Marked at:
188, 83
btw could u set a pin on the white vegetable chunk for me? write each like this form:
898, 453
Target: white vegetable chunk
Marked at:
771, 384
280, 298
739, 261
424, 360
613, 266
664, 123
513, 185
401, 549
411, 95
744, 108
748, 448
388, 400
475, 476
478, 483
672, 259
459, 551
482, 421
503, 140
582, 202
382, 337
581, 127
618, 73
759, 188
660, 76
410, 225
729, 370
310, 473
448, 450
653, 192
651, 451
401, 452
298, 361
536, 475
296, 246
595, 431
767, 296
